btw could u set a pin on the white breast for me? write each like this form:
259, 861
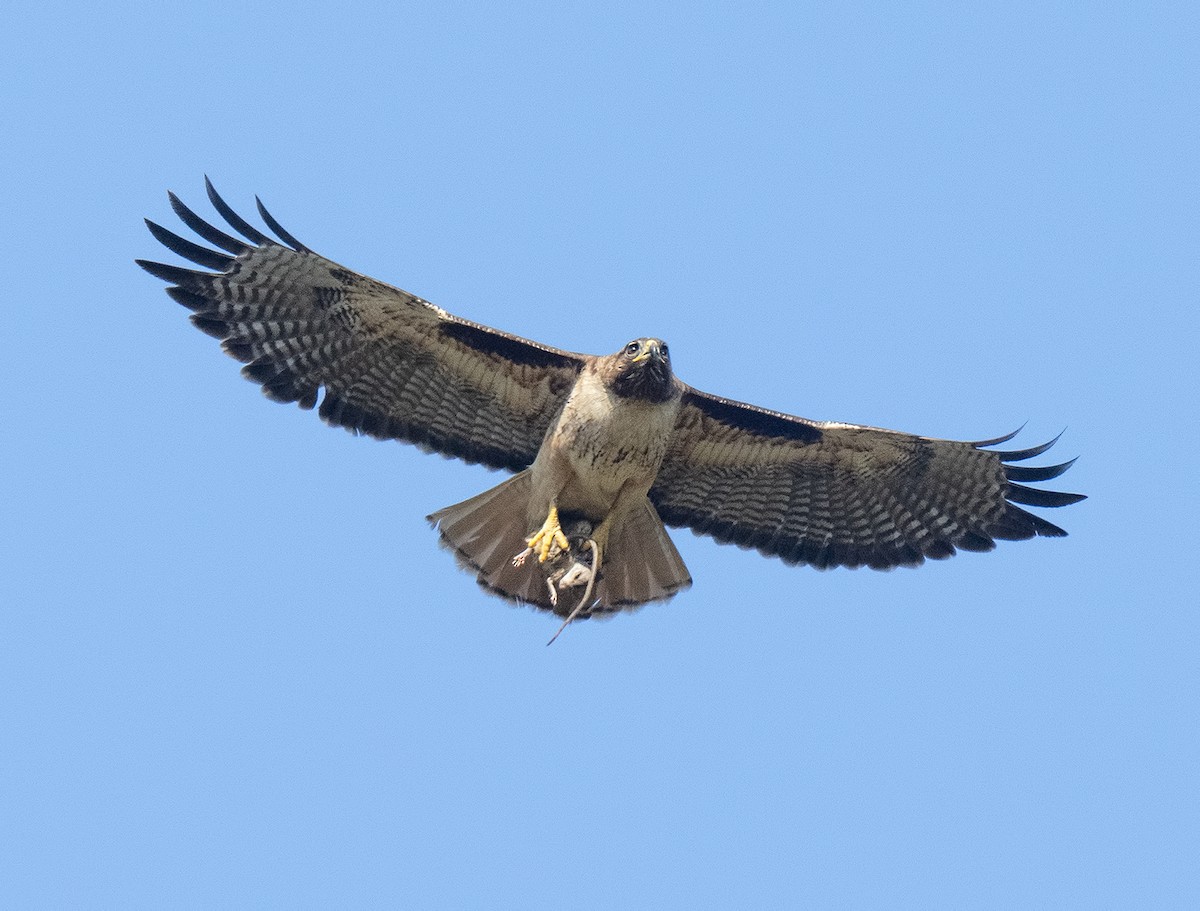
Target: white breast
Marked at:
608, 441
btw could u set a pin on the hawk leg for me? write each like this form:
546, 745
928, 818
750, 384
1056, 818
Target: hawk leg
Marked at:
548, 537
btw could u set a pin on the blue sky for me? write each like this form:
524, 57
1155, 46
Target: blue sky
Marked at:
235, 668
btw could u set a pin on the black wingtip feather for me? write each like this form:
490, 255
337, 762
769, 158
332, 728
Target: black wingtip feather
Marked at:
979, 444
210, 325
939, 550
287, 387
210, 233
186, 278
261, 371
201, 256
1031, 496
975, 542
1041, 473
279, 230
239, 349
1020, 525
1043, 528
235, 221
190, 299
1020, 455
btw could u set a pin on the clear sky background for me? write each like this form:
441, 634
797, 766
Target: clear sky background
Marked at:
235, 668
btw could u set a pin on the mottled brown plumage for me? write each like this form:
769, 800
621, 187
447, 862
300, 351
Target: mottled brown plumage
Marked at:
603, 446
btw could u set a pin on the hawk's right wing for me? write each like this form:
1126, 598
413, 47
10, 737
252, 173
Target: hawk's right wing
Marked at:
391, 364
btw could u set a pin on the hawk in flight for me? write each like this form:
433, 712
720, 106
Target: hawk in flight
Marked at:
605, 450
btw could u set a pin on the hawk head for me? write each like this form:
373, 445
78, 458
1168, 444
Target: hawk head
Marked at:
642, 370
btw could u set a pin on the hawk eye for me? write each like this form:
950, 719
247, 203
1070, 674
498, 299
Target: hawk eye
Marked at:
633, 348
664, 349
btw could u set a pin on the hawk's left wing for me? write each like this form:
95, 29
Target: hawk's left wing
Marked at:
831, 494
391, 364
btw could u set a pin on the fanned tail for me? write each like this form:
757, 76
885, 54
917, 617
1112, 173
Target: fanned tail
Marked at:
488, 530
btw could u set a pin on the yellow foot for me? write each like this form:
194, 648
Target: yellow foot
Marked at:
548, 537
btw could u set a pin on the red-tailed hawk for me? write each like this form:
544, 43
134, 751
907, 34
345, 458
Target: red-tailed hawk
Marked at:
605, 449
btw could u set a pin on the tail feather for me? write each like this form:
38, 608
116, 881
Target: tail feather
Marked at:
641, 563
485, 533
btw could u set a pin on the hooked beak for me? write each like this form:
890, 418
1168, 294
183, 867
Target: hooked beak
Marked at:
652, 349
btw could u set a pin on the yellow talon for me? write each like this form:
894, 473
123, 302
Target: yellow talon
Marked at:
549, 536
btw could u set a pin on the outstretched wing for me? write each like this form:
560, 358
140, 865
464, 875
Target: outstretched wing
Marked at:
832, 494
392, 365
